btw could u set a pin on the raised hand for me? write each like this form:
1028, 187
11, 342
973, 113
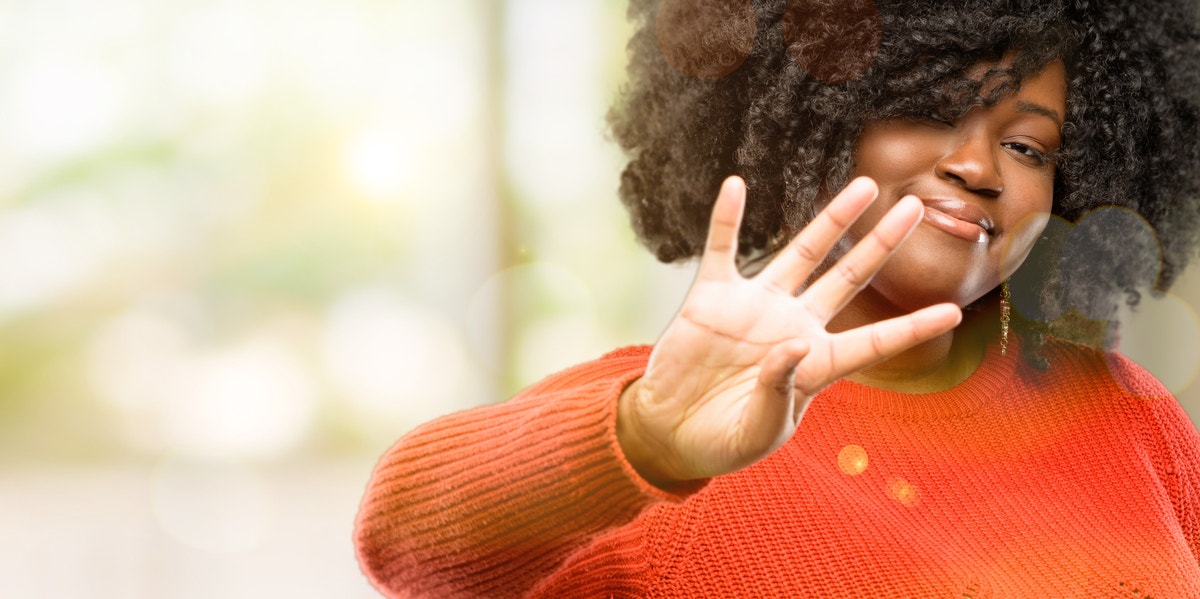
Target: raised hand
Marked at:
729, 379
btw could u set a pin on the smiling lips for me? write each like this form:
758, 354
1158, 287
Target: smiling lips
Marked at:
958, 218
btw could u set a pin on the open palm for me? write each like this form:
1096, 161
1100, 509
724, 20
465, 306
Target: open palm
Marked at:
729, 379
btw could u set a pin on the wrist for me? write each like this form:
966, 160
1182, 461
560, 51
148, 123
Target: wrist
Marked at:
640, 453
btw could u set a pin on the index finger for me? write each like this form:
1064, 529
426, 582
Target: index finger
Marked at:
866, 345
796, 262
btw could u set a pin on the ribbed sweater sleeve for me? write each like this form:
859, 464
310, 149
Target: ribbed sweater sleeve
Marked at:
1181, 450
486, 502
1172, 442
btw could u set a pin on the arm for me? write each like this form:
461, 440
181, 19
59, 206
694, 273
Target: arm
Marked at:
488, 501
1179, 467
1173, 442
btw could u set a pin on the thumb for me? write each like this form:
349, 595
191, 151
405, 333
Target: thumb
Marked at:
769, 413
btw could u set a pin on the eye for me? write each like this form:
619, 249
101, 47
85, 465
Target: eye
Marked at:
1029, 153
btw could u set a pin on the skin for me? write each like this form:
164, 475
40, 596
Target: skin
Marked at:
729, 380
996, 160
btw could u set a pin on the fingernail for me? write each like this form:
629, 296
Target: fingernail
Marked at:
865, 184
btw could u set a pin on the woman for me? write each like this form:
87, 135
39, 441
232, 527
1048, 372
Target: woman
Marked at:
866, 417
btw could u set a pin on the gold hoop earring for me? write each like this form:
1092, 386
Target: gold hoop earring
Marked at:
1005, 316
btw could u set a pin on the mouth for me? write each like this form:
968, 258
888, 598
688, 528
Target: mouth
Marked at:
958, 218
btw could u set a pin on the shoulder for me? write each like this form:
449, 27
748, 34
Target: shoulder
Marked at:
617, 366
1105, 367
1116, 389
1133, 378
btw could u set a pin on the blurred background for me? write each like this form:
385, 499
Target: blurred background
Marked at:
245, 245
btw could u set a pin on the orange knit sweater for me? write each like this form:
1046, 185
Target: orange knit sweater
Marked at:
1083, 481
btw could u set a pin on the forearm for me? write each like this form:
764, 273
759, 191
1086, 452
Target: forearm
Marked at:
489, 501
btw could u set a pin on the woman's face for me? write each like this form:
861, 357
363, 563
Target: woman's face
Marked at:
987, 181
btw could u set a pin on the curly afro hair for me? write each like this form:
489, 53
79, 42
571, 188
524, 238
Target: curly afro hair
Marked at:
778, 91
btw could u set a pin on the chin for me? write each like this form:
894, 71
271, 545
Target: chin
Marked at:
910, 288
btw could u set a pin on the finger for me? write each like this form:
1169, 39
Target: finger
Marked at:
720, 249
853, 350
778, 368
767, 419
796, 262
830, 293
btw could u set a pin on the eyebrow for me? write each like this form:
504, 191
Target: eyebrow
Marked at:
1032, 108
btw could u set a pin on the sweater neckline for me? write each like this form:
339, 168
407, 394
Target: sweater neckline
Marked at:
993, 375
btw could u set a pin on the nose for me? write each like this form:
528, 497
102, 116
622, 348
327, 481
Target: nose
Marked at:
970, 162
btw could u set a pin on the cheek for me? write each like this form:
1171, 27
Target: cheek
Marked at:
1020, 240
1030, 216
889, 152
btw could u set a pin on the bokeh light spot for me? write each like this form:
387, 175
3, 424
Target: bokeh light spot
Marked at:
392, 360
378, 162
1162, 335
1107, 231
1020, 240
904, 492
254, 399
835, 42
1044, 256
852, 459
705, 38
1110, 243
50, 250
132, 357
60, 107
